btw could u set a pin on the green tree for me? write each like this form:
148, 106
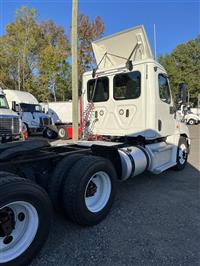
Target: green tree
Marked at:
183, 65
55, 50
34, 56
18, 50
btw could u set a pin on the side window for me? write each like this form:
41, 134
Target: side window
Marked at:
127, 86
98, 90
164, 90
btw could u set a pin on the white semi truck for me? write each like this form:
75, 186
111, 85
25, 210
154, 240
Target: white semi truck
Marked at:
130, 126
186, 115
10, 124
29, 110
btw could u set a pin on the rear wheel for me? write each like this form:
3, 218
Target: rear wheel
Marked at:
58, 177
89, 190
62, 133
25, 215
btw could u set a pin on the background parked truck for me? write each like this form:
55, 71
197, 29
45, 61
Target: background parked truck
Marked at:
61, 114
187, 115
10, 124
29, 110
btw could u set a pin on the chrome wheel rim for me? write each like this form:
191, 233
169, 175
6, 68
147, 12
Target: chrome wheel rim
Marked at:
62, 132
26, 226
182, 153
98, 191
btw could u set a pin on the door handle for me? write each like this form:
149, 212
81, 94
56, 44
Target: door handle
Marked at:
159, 125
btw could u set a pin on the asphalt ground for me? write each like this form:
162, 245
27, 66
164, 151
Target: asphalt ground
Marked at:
155, 220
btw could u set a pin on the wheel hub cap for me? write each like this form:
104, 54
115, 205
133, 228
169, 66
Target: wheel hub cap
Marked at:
182, 154
7, 222
19, 223
91, 190
98, 191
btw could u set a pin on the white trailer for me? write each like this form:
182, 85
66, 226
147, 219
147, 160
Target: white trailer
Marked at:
130, 126
61, 114
29, 110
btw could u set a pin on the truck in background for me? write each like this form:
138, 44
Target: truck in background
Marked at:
61, 114
29, 110
186, 114
10, 124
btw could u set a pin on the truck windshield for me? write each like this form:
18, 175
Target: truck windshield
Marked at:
3, 102
32, 108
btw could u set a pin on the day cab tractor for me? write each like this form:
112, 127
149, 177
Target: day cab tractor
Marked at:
129, 126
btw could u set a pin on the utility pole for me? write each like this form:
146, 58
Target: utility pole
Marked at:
18, 75
188, 101
75, 70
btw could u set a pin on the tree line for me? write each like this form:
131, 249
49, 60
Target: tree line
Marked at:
183, 66
35, 57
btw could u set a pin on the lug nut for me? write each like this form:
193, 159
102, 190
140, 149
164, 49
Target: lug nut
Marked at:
21, 216
7, 240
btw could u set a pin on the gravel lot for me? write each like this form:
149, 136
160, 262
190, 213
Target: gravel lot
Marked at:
154, 221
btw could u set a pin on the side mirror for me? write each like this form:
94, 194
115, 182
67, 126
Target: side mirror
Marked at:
182, 93
14, 106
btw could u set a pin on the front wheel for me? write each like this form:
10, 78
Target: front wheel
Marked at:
191, 122
25, 215
89, 190
182, 154
50, 134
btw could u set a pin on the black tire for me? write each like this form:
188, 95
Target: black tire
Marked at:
4, 173
50, 134
181, 165
58, 177
15, 190
75, 186
62, 133
191, 122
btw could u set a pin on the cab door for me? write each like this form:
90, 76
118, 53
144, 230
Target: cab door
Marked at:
165, 109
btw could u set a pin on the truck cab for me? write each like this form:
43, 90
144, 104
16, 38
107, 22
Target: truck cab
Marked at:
10, 124
130, 92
